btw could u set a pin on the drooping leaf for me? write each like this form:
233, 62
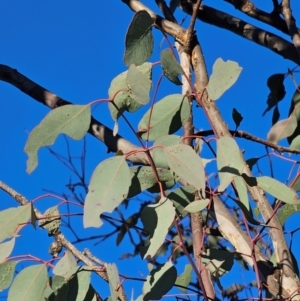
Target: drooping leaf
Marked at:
218, 262
66, 266
168, 115
242, 191
237, 117
139, 39
171, 68
278, 190
181, 197
108, 188
11, 220
185, 278
29, 284
138, 85
197, 206
229, 161
185, 163
295, 110
159, 282
79, 287
52, 220
277, 91
224, 75
113, 279
158, 153
282, 129
60, 287
157, 219
7, 272
72, 120
122, 95
295, 143
142, 178
285, 211
6, 249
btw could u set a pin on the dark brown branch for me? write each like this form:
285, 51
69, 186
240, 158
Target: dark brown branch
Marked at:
248, 136
261, 37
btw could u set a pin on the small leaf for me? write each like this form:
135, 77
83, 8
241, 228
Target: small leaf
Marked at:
295, 109
7, 272
6, 248
224, 75
66, 266
285, 211
159, 282
171, 68
237, 117
295, 143
277, 91
158, 153
122, 95
157, 219
139, 39
138, 85
168, 116
79, 287
108, 188
251, 162
229, 161
278, 190
296, 185
29, 284
282, 129
60, 287
113, 279
72, 120
185, 278
183, 160
51, 220
197, 206
12, 220
242, 191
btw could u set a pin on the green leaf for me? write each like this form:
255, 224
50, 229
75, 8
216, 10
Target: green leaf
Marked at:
108, 188
52, 220
138, 85
123, 96
282, 129
197, 206
113, 279
66, 266
142, 178
139, 39
295, 143
278, 190
296, 185
159, 282
60, 287
218, 262
7, 272
158, 153
79, 286
285, 211
224, 75
73, 120
277, 90
183, 160
242, 191
168, 115
157, 219
6, 248
295, 110
11, 220
181, 197
229, 161
29, 284
185, 278
237, 117
171, 68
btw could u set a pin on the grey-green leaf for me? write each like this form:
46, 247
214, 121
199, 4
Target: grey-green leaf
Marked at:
108, 188
278, 190
72, 120
139, 39
183, 160
196, 206
159, 282
121, 94
113, 279
185, 278
7, 272
157, 219
224, 75
29, 284
6, 248
171, 68
168, 115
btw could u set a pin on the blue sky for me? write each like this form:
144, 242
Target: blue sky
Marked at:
75, 49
